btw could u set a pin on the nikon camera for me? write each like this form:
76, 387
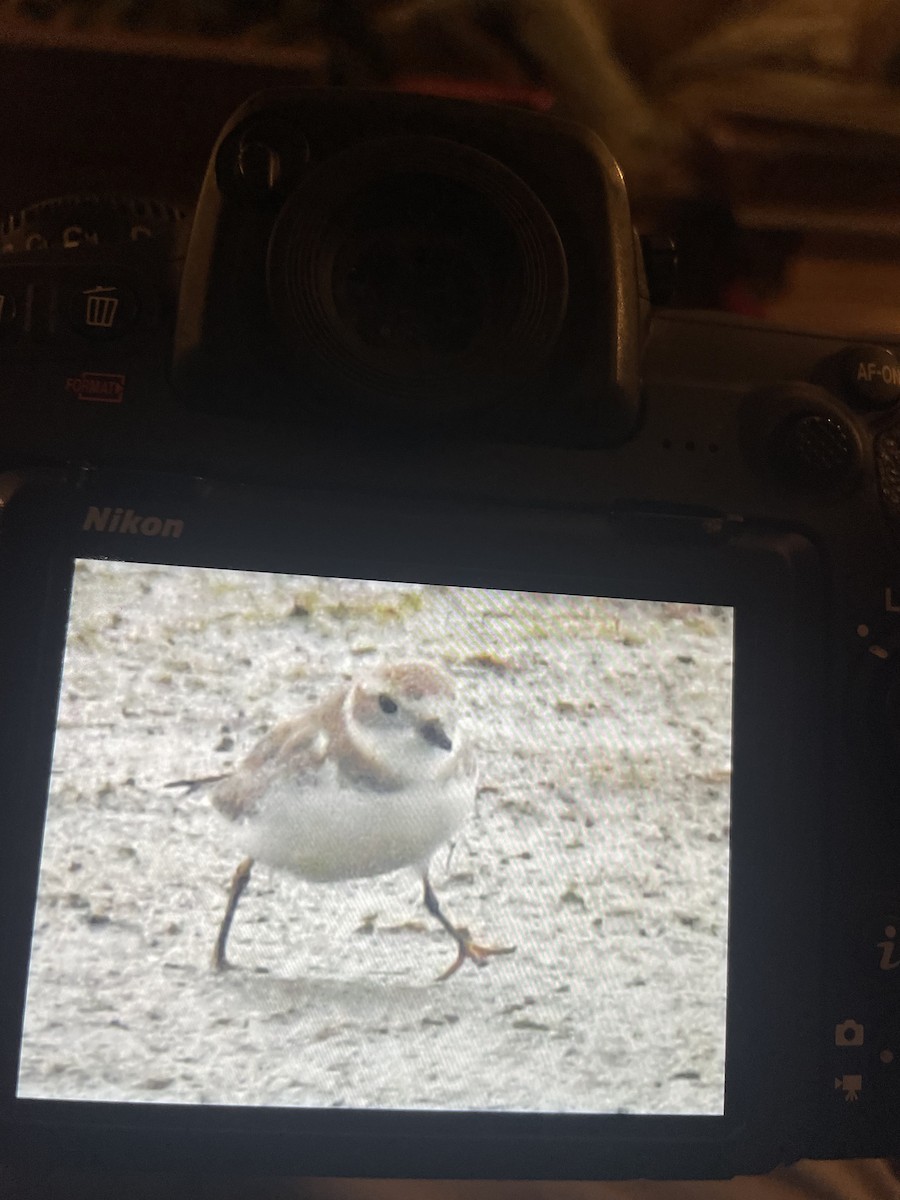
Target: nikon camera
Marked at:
450, 708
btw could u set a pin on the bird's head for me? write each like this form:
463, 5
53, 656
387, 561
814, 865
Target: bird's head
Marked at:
405, 712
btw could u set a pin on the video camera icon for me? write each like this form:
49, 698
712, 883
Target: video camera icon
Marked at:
850, 1085
848, 1033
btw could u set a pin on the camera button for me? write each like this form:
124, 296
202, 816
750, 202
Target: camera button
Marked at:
885, 1044
887, 465
817, 449
871, 375
262, 158
872, 933
102, 309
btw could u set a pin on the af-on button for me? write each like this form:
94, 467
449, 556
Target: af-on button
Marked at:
871, 376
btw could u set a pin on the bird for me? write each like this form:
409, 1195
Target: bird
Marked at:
374, 778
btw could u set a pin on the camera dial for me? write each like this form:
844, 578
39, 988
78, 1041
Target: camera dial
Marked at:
79, 222
107, 274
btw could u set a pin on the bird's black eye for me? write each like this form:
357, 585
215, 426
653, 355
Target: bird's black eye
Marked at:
386, 704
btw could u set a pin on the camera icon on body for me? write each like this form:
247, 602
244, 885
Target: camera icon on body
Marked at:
848, 1033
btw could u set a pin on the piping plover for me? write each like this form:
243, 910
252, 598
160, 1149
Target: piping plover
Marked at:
375, 777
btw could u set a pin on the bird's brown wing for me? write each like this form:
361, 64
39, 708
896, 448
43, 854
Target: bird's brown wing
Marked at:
300, 744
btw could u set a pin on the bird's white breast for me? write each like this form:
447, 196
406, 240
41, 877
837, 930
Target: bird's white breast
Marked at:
329, 830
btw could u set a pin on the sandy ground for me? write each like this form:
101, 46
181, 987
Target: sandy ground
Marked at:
599, 849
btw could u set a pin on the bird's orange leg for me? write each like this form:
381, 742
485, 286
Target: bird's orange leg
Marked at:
466, 948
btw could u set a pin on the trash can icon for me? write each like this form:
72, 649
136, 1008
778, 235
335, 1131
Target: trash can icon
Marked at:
101, 306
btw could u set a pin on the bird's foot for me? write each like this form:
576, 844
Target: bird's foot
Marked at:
467, 949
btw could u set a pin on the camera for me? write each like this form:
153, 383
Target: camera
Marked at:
389, 431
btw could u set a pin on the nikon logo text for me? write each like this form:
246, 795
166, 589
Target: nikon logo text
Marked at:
126, 520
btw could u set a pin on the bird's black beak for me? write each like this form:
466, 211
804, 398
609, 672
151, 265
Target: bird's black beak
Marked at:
434, 735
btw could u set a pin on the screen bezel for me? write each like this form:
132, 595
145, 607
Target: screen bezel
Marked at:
771, 580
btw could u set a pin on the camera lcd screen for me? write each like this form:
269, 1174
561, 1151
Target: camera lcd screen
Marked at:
557, 766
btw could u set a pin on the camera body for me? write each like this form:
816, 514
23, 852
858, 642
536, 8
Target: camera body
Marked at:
412, 342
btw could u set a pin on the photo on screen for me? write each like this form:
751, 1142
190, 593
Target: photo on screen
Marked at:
559, 766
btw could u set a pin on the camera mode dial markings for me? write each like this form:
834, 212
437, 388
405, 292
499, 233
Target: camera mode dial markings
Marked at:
93, 302
86, 223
